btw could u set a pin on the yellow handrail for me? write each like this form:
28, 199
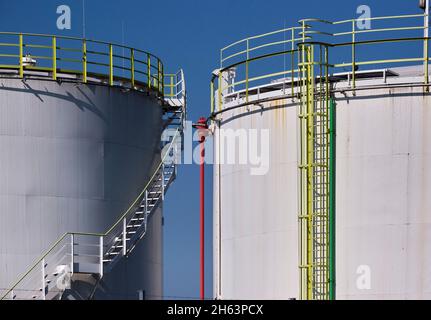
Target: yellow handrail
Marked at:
83, 57
118, 221
244, 54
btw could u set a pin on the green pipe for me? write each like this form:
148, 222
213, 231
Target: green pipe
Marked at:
332, 139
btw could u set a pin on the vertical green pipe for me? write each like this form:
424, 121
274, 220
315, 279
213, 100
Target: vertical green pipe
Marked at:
332, 258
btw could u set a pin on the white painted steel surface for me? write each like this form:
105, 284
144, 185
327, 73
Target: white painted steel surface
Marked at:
383, 198
72, 159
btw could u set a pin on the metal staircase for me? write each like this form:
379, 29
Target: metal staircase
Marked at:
96, 254
315, 184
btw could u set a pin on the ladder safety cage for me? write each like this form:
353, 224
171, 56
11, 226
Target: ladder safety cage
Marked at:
314, 174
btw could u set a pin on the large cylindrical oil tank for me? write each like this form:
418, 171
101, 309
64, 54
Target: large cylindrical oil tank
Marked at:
73, 157
383, 188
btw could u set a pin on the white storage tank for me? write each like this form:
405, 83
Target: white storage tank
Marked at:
380, 244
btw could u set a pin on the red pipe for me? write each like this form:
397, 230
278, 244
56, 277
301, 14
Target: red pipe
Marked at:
202, 127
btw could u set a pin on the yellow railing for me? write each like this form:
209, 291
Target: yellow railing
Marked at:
260, 59
174, 86
89, 59
130, 210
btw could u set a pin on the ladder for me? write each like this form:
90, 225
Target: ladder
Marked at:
315, 183
98, 253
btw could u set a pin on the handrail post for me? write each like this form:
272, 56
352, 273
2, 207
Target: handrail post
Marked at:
246, 71
84, 61
12, 296
219, 102
353, 55
149, 71
124, 236
172, 86
72, 252
292, 65
146, 203
162, 79
163, 181
212, 95
54, 58
111, 66
132, 67
101, 256
158, 75
21, 54
43, 278
426, 43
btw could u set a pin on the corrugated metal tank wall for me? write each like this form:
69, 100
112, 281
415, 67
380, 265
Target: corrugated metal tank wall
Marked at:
383, 188
72, 158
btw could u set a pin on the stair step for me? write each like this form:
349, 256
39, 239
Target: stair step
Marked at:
121, 239
134, 226
112, 253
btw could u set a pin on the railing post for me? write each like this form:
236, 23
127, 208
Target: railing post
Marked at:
246, 71
84, 61
172, 82
292, 63
72, 252
132, 67
158, 75
43, 278
54, 58
111, 66
146, 203
219, 102
101, 256
124, 236
162, 78
149, 71
353, 55
21, 54
212, 95
12, 296
426, 42
163, 181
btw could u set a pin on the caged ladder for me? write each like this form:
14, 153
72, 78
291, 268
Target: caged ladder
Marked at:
316, 174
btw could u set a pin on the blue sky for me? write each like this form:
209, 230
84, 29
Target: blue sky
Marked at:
187, 34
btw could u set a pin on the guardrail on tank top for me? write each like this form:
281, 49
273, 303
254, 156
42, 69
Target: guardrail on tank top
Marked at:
53, 270
250, 63
90, 60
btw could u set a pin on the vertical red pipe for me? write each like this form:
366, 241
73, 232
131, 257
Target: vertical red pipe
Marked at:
202, 217
202, 128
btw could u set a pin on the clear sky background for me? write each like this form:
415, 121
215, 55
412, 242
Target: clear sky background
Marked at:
187, 34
